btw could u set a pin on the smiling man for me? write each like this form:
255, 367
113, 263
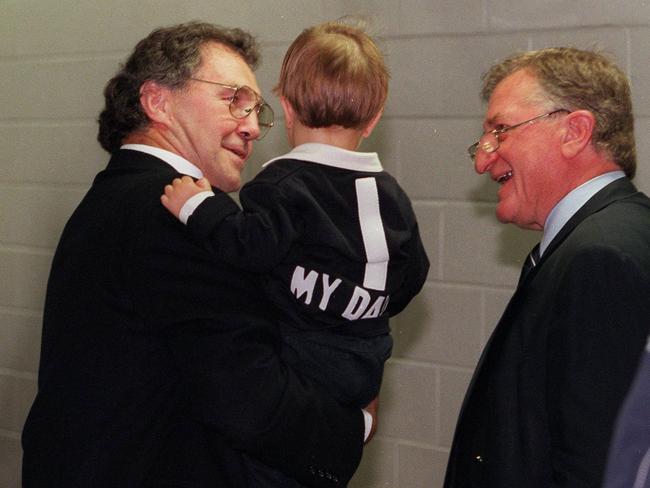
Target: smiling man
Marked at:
150, 376
559, 142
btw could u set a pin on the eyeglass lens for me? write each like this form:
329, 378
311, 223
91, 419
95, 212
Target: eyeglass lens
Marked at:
489, 142
244, 101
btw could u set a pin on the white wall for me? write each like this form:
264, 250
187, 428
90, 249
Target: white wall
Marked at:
55, 58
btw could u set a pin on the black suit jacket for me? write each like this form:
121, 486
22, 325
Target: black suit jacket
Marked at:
627, 464
160, 367
540, 408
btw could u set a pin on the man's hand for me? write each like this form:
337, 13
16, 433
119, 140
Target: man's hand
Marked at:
180, 191
372, 408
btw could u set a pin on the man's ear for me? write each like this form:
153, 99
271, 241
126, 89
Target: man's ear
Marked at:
579, 128
154, 102
289, 113
367, 130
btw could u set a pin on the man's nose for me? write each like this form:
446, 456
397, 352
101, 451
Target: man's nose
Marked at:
249, 127
484, 160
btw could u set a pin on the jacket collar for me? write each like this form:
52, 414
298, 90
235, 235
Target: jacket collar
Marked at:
177, 162
337, 157
127, 159
615, 191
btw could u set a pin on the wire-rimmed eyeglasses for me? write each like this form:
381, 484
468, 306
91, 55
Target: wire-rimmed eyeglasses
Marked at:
242, 103
489, 141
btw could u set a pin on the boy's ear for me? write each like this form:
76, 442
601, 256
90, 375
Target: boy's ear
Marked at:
371, 125
153, 99
289, 113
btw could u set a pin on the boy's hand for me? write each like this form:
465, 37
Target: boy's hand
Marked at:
180, 191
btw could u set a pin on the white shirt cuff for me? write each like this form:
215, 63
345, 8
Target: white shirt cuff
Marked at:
189, 207
367, 419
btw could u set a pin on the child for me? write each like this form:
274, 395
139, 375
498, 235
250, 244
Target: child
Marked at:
333, 234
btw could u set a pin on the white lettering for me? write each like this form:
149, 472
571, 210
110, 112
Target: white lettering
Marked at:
383, 309
375, 310
328, 290
360, 300
301, 284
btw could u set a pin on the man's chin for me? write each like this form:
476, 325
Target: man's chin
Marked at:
508, 218
503, 215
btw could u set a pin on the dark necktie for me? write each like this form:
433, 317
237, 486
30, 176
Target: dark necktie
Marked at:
531, 261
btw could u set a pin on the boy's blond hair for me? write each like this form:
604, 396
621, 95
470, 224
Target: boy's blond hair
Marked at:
334, 74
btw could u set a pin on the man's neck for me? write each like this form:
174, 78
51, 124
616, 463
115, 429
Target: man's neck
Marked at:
333, 135
148, 138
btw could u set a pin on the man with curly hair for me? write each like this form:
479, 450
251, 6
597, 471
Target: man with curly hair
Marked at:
149, 375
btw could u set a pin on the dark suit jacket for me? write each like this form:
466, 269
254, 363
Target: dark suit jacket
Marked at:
159, 367
627, 464
540, 407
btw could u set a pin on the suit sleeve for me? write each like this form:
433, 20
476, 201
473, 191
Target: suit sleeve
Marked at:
599, 323
630, 448
226, 353
255, 238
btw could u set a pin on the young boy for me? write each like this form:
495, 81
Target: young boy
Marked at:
332, 235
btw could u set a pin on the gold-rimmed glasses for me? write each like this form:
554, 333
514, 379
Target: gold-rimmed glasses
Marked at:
242, 103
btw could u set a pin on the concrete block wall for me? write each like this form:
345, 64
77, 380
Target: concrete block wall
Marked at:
55, 58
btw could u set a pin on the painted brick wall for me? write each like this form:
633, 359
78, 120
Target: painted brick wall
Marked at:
56, 56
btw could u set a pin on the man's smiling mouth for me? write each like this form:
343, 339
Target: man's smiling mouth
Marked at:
237, 151
504, 177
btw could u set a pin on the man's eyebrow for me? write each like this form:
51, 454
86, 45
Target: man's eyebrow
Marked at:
491, 121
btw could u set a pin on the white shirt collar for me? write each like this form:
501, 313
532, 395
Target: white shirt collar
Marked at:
177, 162
333, 156
571, 203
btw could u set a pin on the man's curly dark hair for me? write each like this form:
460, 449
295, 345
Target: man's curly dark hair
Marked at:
168, 56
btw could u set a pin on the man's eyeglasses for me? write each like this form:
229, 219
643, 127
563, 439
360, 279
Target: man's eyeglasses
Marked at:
489, 142
242, 103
